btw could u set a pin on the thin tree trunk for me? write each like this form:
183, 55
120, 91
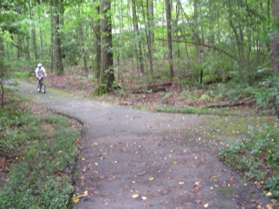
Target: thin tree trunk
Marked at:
41, 36
2, 73
97, 31
169, 36
51, 50
27, 48
275, 40
81, 40
33, 33
150, 33
34, 43
19, 46
139, 53
58, 53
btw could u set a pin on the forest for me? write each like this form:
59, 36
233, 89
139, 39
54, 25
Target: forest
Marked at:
193, 42
204, 58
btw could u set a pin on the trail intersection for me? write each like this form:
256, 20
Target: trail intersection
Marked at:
132, 159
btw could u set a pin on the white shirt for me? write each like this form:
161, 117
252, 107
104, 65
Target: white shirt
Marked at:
40, 73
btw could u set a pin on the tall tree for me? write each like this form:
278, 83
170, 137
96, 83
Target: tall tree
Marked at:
33, 31
168, 4
139, 53
51, 49
57, 24
150, 33
2, 71
197, 36
97, 44
107, 72
275, 40
82, 45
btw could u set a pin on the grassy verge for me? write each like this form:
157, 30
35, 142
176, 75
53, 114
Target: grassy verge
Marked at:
22, 75
42, 149
257, 158
193, 110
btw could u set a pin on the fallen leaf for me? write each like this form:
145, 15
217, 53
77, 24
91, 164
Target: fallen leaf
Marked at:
269, 194
151, 178
75, 199
144, 198
205, 205
181, 182
269, 206
135, 196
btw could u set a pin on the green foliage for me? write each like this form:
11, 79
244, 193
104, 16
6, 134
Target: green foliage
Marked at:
44, 148
22, 75
257, 157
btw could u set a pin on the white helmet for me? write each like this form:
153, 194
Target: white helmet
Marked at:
40, 65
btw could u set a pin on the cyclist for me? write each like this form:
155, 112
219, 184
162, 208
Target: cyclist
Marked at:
40, 73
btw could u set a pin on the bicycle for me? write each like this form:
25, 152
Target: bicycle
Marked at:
41, 87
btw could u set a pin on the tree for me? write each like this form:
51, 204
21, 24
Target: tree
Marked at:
275, 40
139, 54
57, 39
97, 44
107, 72
150, 33
169, 36
2, 71
33, 31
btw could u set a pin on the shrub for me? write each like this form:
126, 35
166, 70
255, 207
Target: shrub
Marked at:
257, 157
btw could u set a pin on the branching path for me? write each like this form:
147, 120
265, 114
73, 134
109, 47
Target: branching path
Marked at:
132, 160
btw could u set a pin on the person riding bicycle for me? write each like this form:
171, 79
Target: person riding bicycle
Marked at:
40, 73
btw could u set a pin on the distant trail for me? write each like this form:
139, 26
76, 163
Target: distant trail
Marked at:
132, 159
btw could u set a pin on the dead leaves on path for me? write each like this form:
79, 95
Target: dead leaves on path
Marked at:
77, 197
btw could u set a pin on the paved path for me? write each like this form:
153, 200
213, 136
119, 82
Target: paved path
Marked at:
132, 159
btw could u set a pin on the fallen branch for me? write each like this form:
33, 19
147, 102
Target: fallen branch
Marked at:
247, 101
152, 88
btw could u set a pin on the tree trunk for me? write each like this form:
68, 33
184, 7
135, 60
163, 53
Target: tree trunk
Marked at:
19, 46
33, 33
169, 35
97, 31
41, 54
107, 71
150, 33
139, 53
82, 46
275, 40
58, 53
51, 50
34, 43
198, 37
2, 71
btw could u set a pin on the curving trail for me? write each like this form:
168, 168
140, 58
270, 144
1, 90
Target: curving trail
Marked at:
132, 159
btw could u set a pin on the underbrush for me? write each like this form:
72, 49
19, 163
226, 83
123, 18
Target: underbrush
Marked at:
22, 74
257, 158
42, 150
265, 93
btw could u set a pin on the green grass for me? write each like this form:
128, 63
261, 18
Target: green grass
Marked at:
43, 148
192, 110
257, 157
22, 74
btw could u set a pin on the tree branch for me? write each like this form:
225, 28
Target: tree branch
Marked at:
206, 46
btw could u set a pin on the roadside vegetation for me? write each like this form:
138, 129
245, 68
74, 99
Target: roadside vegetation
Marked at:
257, 158
37, 152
